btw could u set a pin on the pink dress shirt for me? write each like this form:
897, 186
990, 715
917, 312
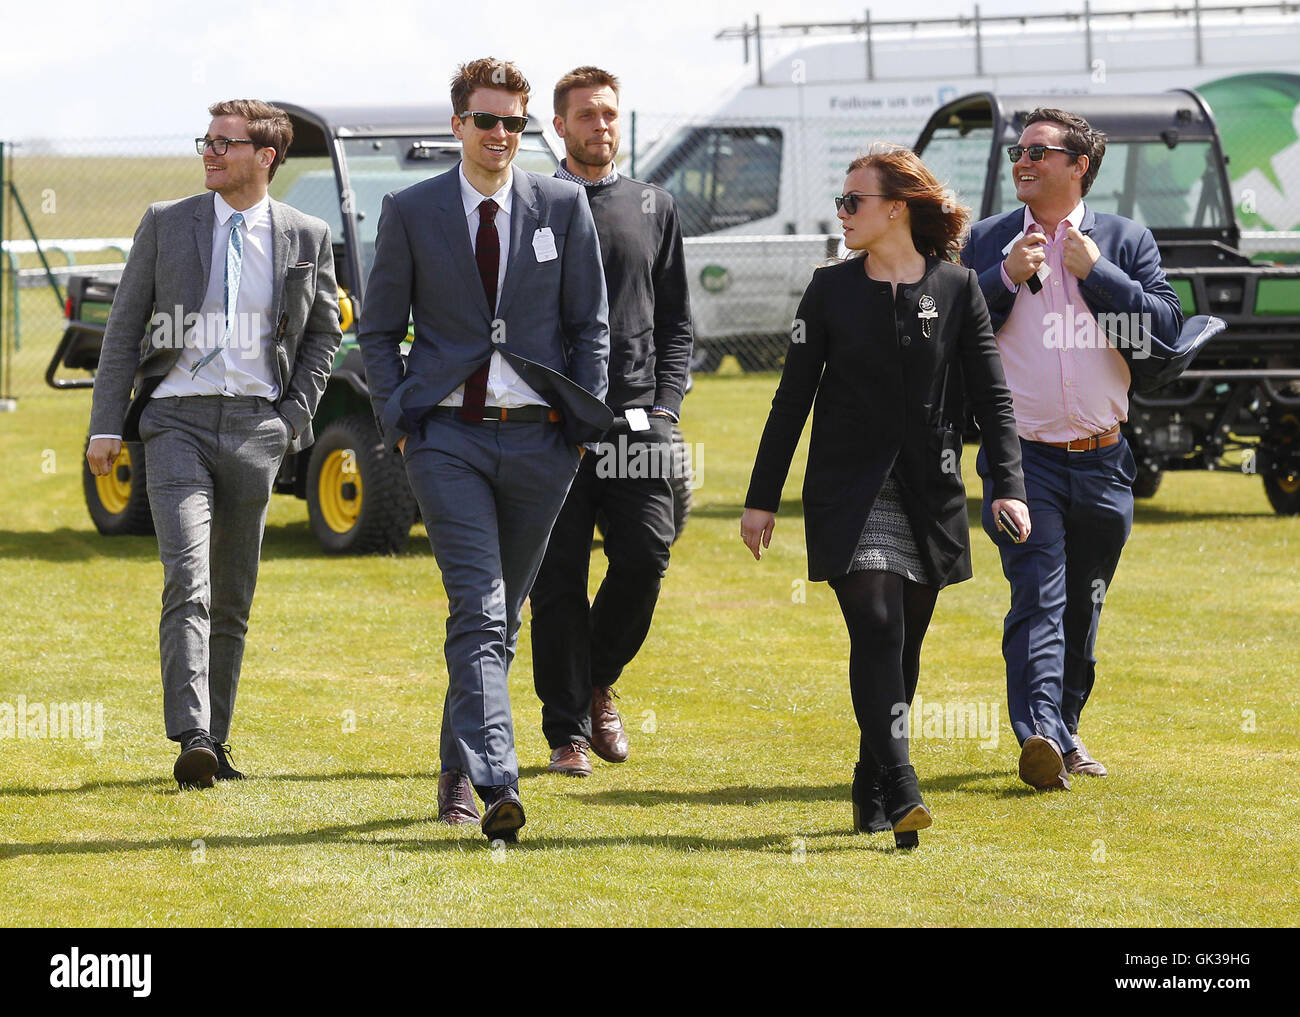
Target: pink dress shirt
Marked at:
1065, 382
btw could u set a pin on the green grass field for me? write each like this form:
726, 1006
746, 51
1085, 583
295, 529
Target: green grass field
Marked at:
734, 806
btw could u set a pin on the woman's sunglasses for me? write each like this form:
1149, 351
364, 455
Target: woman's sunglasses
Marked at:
849, 202
487, 121
1036, 152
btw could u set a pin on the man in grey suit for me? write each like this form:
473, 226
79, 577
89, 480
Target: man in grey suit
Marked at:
225, 324
500, 271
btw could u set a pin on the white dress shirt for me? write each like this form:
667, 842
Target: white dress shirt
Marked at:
504, 386
247, 366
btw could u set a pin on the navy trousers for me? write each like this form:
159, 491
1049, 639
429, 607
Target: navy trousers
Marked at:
1081, 511
489, 493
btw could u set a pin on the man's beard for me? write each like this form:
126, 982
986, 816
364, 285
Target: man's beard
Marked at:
591, 160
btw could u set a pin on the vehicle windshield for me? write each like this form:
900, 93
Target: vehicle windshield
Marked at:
377, 166
1147, 181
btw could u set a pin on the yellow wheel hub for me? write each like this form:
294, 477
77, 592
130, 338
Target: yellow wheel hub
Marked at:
339, 490
1289, 485
114, 488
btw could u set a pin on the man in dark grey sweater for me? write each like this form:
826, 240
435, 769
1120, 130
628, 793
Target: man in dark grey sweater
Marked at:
581, 648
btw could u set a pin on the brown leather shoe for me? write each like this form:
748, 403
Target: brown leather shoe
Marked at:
1042, 766
608, 739
456, 799
570, 760
1080, 760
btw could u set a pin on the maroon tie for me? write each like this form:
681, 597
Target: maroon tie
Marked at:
487, 252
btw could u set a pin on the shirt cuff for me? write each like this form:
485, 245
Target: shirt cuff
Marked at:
672, 414
1006, 279
115, 437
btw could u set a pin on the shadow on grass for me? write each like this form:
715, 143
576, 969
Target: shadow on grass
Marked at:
167, 785
790, 508
286, 542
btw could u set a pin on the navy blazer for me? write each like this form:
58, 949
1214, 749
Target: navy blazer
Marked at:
551, 322
1126, 279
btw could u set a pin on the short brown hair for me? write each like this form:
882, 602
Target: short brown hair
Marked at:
580, 77
487, 72
1079, 136
268, 126
939, 222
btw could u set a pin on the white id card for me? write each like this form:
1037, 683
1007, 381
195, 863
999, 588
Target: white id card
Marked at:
637, 420
544, 244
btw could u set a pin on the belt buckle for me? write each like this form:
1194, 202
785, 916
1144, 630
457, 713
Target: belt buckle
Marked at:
1088, 447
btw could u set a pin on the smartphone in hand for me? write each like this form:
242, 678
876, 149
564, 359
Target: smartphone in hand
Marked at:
1008, 525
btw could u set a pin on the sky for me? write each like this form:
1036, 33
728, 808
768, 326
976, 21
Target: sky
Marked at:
136, 68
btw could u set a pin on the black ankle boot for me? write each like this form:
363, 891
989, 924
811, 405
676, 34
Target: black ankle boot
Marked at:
868, 799
904, 808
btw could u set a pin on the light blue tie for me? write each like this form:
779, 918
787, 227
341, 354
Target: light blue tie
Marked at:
234, 265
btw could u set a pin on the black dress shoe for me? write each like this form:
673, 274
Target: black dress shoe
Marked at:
503, 816
224, 757
868, 799
196, 766
904, 808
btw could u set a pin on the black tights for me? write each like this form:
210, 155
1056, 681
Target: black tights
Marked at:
887, 616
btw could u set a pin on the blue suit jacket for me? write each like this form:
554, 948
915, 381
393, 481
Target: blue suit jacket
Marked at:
1126, 279
551, 322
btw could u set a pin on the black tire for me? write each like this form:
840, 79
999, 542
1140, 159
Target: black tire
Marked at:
705, 359
358, 497
119, 502
1283, 494
1148, 481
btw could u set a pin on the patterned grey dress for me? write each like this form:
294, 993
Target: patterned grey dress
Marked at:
887, 543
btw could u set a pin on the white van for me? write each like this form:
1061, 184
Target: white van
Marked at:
755, 180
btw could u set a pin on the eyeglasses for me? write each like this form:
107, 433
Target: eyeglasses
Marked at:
849, 202
220, 146
1036, 152
487, 121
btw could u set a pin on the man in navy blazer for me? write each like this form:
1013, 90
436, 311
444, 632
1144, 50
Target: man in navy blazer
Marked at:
1077, 298
499, 270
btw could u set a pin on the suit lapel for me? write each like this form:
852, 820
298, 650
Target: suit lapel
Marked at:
1089, 221
449, 217
205, 217
524, 220
280, 242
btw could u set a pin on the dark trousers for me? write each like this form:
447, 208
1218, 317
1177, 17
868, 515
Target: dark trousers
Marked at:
488, 493
577, 645
1081, 511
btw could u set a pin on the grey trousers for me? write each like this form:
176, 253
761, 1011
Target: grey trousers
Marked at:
210, 462
489, 493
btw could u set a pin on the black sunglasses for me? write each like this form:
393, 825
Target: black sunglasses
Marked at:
487, 121
220, 146
849, 202
1036, 152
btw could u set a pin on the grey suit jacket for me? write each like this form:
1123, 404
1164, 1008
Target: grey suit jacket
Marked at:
168, 268
551, 322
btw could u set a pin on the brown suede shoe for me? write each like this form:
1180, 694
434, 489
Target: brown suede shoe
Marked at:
1080, 760
1042, 766
570, 760
608, 739
456, 799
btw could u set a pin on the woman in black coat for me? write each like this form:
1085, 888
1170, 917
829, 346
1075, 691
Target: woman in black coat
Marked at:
887, 346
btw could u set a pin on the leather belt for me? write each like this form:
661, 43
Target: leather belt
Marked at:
523, 414
1103, 440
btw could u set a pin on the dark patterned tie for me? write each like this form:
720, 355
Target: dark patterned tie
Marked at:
487, 252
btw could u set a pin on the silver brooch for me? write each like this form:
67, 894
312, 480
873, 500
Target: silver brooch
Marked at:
927, 312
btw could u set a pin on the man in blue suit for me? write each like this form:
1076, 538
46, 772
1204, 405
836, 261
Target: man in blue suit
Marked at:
499, 270
1076, 297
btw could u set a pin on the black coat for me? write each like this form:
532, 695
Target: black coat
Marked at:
886, 399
